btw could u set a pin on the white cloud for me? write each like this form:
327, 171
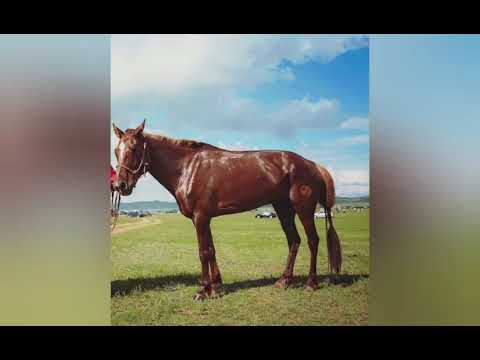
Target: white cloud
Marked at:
210, 110
197, 79
354, 140
236, 146
355, 123
351, 182
304, 113
155, 131
169, 65
286, 74
149, 189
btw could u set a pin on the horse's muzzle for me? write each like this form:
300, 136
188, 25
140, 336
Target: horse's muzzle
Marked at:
124, 189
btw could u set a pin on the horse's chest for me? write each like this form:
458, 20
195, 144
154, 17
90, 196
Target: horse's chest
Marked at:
187, 192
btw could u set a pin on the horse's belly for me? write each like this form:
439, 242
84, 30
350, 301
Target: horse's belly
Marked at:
234, 196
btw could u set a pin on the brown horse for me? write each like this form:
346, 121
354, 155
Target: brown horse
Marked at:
207, 181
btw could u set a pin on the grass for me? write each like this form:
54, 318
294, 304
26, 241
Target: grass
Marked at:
156, 272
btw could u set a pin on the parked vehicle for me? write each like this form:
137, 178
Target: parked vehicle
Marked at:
266, 215
321, 215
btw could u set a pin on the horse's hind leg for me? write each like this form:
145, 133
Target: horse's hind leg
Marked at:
286, 215
308, 222
304, 203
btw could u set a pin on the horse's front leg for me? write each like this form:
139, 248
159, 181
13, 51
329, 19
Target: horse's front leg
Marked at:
206, 250
215, 272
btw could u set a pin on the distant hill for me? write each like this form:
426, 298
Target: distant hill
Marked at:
157, 205
352, 200
149, 205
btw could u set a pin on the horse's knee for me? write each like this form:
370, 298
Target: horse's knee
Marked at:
206, 254
294, 247
313, 241
203, 254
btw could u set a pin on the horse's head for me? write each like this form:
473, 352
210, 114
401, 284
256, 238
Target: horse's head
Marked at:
132, 157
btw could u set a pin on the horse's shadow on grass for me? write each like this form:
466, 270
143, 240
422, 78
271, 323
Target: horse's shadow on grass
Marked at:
168, 283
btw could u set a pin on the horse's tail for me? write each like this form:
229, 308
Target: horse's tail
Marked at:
333, 241
333, 246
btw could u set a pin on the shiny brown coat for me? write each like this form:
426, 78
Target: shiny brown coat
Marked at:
208, 181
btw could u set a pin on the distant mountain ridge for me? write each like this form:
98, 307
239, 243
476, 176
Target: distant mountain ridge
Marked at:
349, 200
149, 205
169, 205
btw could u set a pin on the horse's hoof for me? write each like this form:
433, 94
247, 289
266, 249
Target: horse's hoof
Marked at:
216, 292
199, 297
283, 283
311, 285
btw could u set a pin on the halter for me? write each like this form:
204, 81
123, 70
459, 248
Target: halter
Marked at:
116, 197
143, 163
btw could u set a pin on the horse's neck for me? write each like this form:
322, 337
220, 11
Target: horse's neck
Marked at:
166, 162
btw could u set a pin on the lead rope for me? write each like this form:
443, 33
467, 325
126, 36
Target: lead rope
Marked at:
115, 209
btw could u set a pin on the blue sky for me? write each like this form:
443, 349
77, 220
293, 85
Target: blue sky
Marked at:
307, 94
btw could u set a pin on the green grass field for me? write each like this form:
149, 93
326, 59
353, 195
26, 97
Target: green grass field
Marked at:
156, 272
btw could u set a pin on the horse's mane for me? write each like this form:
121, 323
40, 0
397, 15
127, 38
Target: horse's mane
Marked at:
191, 144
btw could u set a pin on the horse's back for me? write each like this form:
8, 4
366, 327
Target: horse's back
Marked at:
276, 164
232, 181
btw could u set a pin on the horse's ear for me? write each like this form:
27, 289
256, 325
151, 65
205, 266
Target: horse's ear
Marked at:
140, 128
118, 132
